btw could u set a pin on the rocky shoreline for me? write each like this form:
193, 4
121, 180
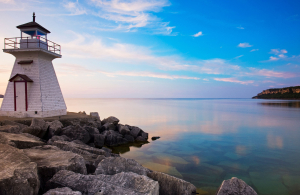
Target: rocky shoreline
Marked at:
68, 156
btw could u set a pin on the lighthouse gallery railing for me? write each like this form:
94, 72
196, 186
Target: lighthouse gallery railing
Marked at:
31, 43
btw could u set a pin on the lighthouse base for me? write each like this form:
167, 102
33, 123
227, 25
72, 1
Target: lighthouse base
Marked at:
33, 114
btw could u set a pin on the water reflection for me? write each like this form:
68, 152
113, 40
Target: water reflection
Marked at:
291, 104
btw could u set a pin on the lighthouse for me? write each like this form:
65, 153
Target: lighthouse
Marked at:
33, 89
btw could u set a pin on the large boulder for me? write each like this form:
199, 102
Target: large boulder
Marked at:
109, 126
92, 131
120, 183
99, 140
37, 128
50, 160
124, 130
62, 191
129, 138
235, 186
140, 139
11, 129
134, 131
18, 175
58, 138
111, 119
113, 138
20, 141
113, 165
169, 185
55, 128
76, 132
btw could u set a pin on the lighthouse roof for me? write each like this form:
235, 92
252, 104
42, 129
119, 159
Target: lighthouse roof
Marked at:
33, 25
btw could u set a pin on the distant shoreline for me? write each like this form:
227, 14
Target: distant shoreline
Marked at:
287, 93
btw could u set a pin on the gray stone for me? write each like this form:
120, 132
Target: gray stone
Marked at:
55, 128
109, 126
50, 160
62, 191
120, 183
92, 131
129, 138
169, 185
124, 130
18, 175
113, 165
111, 119
99, 140
76, 133
140, 139
37, 128
144, 135
11, 129
20, 141
113, 138
235, 186
134, 131
95, 115
58, 138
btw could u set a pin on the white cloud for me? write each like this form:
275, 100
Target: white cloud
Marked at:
75, 8
133, 14
233, 80
244, 45
254, 50
271, 73
279, 54
7, 1
237, 57
240, 27
198, 34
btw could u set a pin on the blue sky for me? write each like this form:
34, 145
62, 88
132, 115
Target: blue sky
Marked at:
164, 49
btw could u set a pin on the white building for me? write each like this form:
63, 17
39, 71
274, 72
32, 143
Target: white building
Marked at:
33, 89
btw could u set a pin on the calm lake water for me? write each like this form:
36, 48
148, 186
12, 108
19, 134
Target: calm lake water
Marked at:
205, 141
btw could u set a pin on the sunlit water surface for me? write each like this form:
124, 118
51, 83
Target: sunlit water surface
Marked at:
205, 141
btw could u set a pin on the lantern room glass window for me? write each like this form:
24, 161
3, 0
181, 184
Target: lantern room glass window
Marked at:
33, 34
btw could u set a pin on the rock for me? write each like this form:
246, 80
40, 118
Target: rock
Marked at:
129, 138
79, 148
99, 140
50, 160
55, 128
92, 161
113, 165
62, 191
113, 138
92, 131
144, 135
37, 128
140, 139
20, 141
76, 132
120, 183
12, 123
11, 129
124, 130
109, 126
95, 115
134, 131
155, 138
18, 176
111, 119
58, 138
235, 186
169, 185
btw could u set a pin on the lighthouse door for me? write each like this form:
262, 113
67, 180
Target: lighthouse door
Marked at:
20, 96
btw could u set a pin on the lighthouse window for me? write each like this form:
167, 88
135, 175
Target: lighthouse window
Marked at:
26, 33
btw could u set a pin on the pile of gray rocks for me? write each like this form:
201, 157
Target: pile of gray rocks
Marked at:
68, 157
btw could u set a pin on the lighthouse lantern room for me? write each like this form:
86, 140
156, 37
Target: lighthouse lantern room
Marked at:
33, 89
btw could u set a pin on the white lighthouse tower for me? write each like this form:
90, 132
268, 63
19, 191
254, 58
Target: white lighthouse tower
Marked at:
33, 89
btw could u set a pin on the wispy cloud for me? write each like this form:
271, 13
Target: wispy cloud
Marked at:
147, 74
133, 14
233, 80
198, 34
7, 1
237, 57
244, 45
254, 50
75, 8
271, 73
240, 27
